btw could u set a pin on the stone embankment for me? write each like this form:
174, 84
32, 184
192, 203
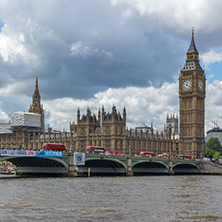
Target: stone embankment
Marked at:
210, 168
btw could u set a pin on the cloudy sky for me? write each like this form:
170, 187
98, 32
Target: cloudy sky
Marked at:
104, 52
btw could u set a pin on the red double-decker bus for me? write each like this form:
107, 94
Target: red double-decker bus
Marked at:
95, 149
54, 146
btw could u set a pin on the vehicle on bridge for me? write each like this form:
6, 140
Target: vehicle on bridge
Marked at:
164, 155
185, 157
54, 146
149, 154
111, 152
95, 149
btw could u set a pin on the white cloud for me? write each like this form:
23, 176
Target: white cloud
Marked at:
143, 105
176, 14
78, 48
12, 47
4, 117
127, 14
211, 57
111, 54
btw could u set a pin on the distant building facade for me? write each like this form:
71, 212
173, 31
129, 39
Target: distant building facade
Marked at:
215, 132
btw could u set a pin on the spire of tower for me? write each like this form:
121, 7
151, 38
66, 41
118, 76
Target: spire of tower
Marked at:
192, 48
192, 60
36, 86
36, 106
36, 82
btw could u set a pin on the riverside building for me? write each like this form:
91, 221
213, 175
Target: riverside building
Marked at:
26, 130
110, 130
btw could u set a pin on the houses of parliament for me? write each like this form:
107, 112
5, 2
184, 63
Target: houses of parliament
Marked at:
110, 130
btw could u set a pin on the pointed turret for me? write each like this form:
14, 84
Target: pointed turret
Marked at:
124, 114
192, 60
99, 116
103, 113
36, 106
36, 84
78, 115
192, 49
36, 99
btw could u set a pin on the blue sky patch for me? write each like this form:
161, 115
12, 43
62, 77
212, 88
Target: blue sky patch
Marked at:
1, 25
214, 69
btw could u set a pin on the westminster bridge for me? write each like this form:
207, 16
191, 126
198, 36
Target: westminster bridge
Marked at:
77, 164
136, 165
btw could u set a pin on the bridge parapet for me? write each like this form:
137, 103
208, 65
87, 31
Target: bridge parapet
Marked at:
34, 162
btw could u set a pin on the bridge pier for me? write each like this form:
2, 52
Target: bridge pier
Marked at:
171, 172
129, 166
72, 172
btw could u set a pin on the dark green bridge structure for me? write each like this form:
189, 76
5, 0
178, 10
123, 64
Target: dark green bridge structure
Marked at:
39, 165
101, 164
136, 165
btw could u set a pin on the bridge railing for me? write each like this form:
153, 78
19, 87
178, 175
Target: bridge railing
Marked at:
29, 153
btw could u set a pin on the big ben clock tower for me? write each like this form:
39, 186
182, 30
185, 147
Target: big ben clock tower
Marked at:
192, 92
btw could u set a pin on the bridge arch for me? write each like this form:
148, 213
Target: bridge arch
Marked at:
185, 168
150, 167
103, 166
37, 165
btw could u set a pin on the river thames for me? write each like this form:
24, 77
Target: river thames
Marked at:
148, 198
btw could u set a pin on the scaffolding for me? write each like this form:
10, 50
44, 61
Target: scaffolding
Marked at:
25, 119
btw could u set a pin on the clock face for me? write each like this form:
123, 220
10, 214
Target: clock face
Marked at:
201, 85
187, 84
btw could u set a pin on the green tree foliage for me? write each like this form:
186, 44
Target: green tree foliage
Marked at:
216, 155
213, 147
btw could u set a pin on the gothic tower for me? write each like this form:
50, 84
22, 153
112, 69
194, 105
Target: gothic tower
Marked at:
192, 92
173, 122
36, 106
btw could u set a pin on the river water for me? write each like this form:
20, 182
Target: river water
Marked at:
148, 198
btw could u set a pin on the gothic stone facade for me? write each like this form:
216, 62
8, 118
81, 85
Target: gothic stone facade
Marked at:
107, 130
192, 92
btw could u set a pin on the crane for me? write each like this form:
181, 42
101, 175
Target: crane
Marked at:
215, 124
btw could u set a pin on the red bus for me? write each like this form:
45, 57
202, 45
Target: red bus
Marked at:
149, 154
53, 146
95, 149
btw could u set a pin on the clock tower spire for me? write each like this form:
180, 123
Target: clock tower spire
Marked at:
192, 92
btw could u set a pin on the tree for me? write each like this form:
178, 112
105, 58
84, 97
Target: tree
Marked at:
216, 155
209, 152
213, 144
